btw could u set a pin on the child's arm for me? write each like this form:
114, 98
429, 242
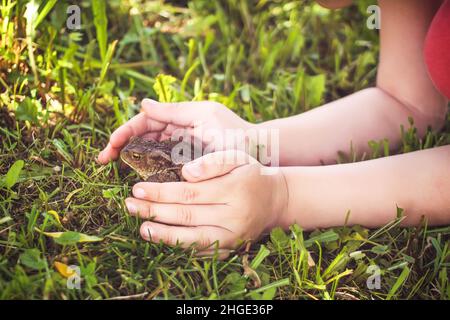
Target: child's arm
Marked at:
232, 201
418, 182
403, 90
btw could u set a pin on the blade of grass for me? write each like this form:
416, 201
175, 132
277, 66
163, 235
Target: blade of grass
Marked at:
400, 281
101, 24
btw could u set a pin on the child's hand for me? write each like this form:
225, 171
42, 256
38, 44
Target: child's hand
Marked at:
205, 120
225, 198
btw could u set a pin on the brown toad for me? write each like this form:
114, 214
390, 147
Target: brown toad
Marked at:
157, 161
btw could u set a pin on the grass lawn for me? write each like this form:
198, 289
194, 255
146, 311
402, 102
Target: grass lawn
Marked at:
64, 91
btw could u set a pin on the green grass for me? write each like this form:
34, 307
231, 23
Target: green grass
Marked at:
63, 92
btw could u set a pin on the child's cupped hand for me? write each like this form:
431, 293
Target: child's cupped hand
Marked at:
206, 121
227, 199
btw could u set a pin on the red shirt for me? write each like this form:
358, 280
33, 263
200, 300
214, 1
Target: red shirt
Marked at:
437, 49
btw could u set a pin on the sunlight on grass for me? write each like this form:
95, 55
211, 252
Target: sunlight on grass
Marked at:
63, 92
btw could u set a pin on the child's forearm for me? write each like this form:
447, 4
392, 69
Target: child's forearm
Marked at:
316, 136
418, 182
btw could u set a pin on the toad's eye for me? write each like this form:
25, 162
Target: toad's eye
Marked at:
136, 156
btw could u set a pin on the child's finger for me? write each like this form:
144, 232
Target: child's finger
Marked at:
178, 214
136, 126
215, 164
177, 113
107, 154
208, 192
